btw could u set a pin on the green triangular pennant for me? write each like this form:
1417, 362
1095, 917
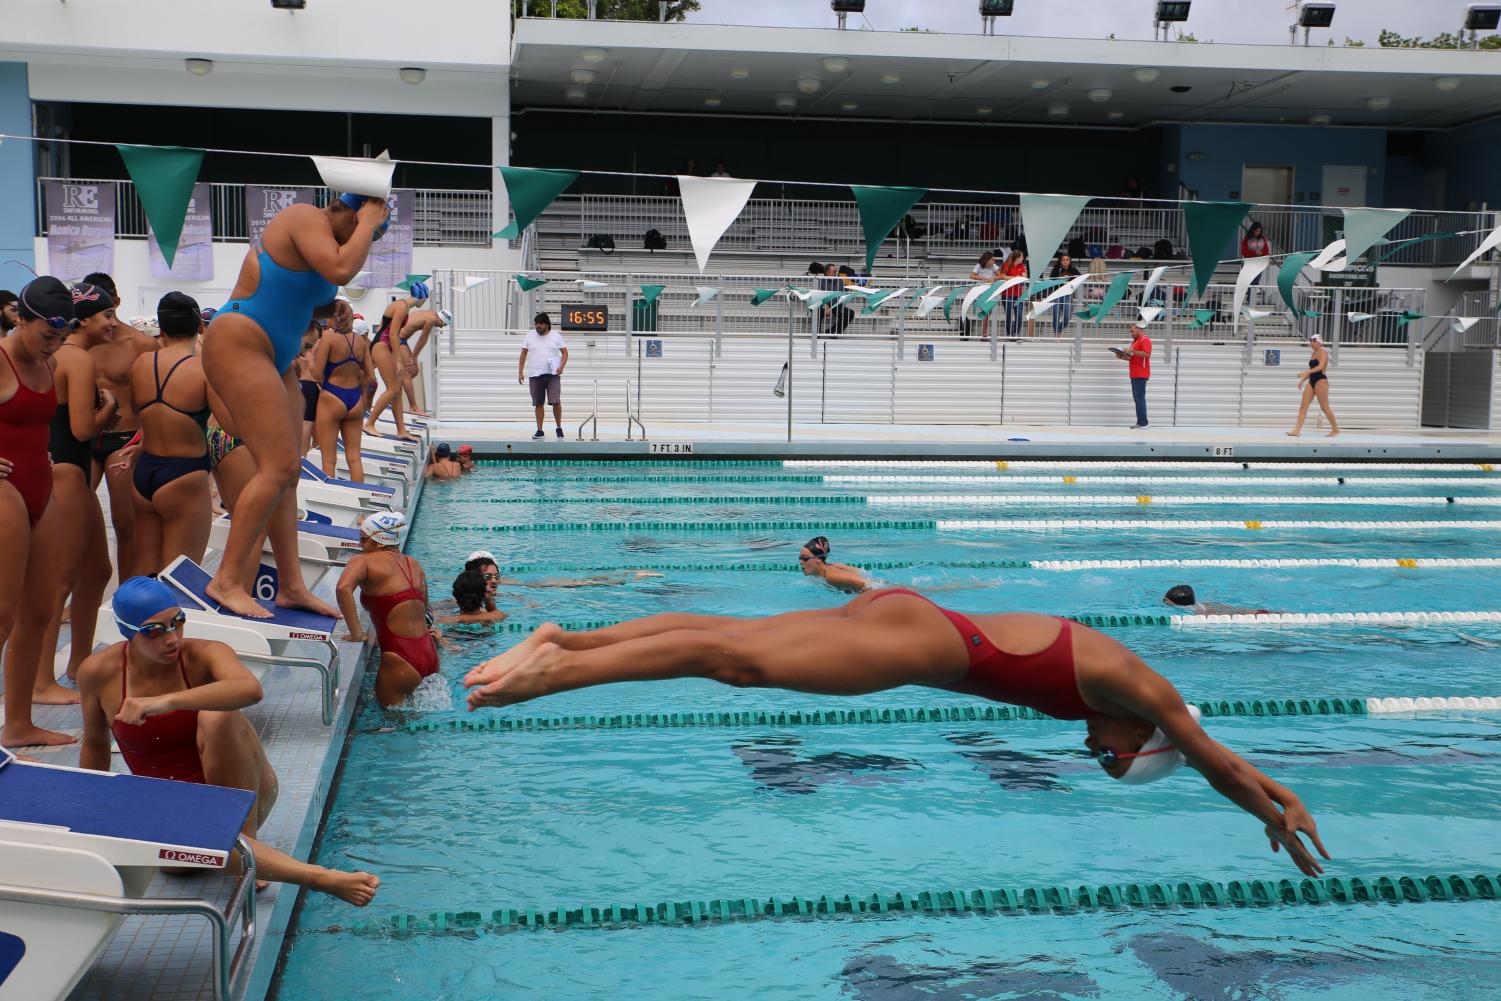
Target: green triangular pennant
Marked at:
164, 178
959, 292
406, 284
1046, 219
1393, 249
1292, 266
880, 210
527, 284
762, 294
1408, 315
874, 302
650, 292
987, 301
1211, 228
1202, 317
1363, 227
531, 190
1119, 285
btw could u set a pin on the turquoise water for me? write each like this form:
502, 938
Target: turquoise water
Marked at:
479, 821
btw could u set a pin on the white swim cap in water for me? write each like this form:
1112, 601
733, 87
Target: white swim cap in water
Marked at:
1157, 759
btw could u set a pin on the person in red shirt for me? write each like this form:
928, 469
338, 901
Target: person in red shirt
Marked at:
1139, 355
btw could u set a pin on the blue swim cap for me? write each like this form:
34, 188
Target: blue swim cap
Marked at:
353, 200
140, 598
420, 290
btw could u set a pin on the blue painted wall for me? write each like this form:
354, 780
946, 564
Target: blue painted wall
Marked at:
1307, 150
1467, 156
17, 182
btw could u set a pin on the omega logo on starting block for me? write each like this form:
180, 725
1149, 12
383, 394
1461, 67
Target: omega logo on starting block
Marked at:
196, 858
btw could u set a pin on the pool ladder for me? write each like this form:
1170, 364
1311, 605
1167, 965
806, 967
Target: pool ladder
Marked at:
632, 421
633, 418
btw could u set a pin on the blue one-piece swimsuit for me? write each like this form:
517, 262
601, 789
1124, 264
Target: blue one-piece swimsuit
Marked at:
283, 305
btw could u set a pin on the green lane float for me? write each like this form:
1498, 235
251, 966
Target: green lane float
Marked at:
1054, 899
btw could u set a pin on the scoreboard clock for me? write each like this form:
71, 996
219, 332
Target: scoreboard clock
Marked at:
586, 318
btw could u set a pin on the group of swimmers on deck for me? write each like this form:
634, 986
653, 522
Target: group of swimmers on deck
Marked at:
174, 705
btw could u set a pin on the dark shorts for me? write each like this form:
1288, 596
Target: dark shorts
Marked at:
546, 388
110, 442
310, 391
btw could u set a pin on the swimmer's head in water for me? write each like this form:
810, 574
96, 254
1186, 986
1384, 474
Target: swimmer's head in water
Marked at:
443, 450
483, 563
469, 590
1133, 750
815, 551
1182, 595
145, 603
383, 529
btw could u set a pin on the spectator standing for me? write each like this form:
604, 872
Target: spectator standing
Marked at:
1063, 308
544, 355
8, 315
1015, 267
720, 170
985, 271
1139, 357
1255, 243
1099, 278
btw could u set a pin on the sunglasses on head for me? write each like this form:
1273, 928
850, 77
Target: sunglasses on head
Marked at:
1108, 758
152, 630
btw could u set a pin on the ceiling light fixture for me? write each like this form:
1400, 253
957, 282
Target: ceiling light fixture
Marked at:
786, 102
412, 74
1378, 103
1447, 84
1041, 84
808, 85
1115, 114
1099, 95
891, 78
1059, 110
713, 102
836, 64
739, 73
576, 94
199, 67
583, 75
595, 56
1320, 119
849, 106
984, 109
1146, 74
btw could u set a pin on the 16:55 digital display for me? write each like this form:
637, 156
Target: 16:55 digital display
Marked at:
586, 318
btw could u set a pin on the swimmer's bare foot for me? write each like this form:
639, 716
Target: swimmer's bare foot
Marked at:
236, 601
1332, 434
495, 667
357, 888
29, 735
261, 884
1294, 434
53, 694
307, 601
528, 680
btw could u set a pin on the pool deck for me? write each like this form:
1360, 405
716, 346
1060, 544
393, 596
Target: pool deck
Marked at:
961, 441
168, 959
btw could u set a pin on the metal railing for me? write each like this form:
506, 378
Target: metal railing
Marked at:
442, 217
1115, 229
1487, 333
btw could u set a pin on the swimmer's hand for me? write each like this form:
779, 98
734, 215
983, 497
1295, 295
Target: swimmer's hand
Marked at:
1296, 820
133, 710
374, 212
5, 467
127, 456
354, 637
640, 574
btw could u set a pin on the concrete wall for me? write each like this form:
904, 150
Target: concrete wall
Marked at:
17, 192
1228, 148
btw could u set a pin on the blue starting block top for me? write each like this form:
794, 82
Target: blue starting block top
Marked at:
128, 807
192, 579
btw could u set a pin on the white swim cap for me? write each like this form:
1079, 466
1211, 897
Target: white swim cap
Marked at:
361, 326
481, 554
445, 317
1157, 758
384, 528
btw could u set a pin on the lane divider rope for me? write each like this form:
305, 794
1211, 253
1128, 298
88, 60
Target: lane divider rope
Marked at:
1016, 524
1333, 619
785, 566
1057, 899
1003, 465
1144, 500
1238, 481
988, 712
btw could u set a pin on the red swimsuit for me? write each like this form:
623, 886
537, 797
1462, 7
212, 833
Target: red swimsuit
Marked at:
419, 651
160, 747
25, 421
1044, 680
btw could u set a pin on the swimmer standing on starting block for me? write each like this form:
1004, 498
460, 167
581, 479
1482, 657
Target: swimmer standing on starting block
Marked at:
173, 705
1139, 728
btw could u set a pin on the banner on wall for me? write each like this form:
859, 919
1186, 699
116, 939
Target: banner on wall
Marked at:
390, 259
80, 228
195, 250
261, 203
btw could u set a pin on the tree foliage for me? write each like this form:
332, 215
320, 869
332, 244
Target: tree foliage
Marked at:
613, 10
1447, 40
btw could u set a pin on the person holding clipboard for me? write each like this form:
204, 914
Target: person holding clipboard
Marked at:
1139, 355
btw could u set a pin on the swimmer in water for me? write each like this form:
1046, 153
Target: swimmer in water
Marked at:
813, 559
470, 592
1182, 596
1138, 727
393, 590
483, 561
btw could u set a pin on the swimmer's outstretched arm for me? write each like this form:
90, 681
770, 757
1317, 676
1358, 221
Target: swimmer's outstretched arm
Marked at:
1147, 694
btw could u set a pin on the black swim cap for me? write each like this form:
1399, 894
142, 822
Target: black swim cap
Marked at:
45, 297
443, 450
469, 591
818, 546
178, 315
102, 280
1180, 595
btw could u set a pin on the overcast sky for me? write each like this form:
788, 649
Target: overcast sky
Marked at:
1219, 20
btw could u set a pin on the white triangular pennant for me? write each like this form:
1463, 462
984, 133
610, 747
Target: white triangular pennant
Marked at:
1363, 227
1250, 269
1359, 317
358, 175
711, 205
1067, 288
1147, 314
1326, 259
1463, 323
1257, 314
1152, 280
706, 293
1046, 219
470, 281
1489, 243
968, 303
927, 303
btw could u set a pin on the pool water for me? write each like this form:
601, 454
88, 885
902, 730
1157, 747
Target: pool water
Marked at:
459, 821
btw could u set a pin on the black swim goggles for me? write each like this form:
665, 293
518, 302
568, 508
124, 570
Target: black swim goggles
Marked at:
1108, 758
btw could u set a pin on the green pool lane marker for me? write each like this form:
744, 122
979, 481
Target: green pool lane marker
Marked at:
682, 463
984, 713
814, 527
745, 499
1055, 899
1091, 620
808, 479
784, 566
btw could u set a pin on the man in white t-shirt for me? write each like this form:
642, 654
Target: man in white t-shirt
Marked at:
544, 355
